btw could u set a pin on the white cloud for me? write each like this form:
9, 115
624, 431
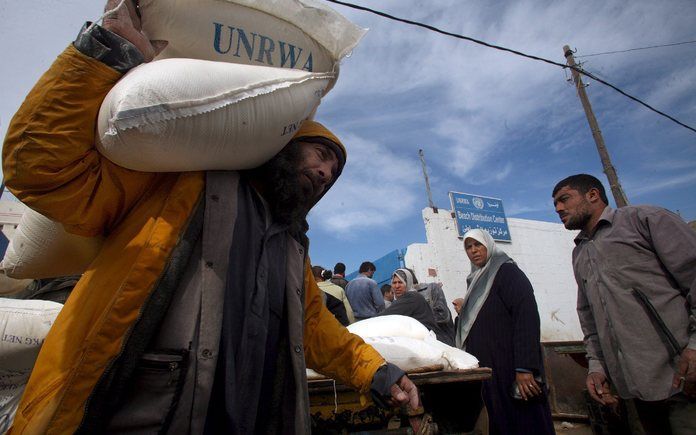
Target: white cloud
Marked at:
376, 189
652, 186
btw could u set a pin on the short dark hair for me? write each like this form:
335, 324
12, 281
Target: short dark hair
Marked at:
366, 266
385, 288
316, 271
326, 274
340, 268
582, 183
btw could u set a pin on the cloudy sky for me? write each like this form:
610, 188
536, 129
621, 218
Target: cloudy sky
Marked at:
489, 122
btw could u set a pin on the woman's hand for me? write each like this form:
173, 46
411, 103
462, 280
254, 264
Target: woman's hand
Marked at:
527, 385
458, 304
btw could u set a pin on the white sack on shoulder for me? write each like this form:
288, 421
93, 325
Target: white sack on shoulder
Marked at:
300, 34
41, 248
186, 115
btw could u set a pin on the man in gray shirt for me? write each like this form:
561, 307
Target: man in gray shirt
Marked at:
363, 294
636, 274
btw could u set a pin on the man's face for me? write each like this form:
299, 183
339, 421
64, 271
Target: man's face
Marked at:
295, 179
370, 273
573, 208
317, 169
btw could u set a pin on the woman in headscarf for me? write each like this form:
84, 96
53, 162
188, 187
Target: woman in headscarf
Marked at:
499, 324
408, 302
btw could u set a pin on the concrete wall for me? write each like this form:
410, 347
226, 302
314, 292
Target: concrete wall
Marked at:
541, 249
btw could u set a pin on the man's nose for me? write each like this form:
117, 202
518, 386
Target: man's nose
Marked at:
324, 173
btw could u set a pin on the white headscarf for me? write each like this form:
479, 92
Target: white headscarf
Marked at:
479, 282
405, 276
484, 238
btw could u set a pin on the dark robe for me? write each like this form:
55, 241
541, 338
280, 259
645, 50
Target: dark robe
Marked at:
413, 304
505, 337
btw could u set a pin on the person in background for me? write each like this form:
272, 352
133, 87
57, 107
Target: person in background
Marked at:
408, 302
636, 273
339, 275
387, 294
334, 304
499, 324
335, 291
363, 293
435, 296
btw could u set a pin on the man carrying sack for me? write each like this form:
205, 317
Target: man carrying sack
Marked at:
200, 313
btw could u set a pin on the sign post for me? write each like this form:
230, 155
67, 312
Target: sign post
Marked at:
482, 212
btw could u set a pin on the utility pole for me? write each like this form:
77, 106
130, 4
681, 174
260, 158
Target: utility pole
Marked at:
609, 170
427, 181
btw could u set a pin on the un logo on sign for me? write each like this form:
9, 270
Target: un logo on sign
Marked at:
478, 202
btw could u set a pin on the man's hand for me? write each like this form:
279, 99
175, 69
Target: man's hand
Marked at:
527, 385
599, 389
125, 23
686, 373
405, 392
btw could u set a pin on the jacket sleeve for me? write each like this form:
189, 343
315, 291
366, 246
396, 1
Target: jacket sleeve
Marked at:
595, 358
49, 159
377, 297
675, 245
329, 348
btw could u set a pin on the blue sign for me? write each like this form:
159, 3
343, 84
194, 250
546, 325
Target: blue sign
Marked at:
482, 212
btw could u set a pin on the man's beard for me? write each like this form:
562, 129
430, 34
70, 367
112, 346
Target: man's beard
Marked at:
280, 178
581, 217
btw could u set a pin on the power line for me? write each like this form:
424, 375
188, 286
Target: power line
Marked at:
636, 49
518, 53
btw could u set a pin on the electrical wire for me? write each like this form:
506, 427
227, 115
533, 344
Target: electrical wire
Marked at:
518, 53
636, 49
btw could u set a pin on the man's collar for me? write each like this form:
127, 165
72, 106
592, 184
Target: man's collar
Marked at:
607, 217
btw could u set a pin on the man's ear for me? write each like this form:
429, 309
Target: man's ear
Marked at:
593, 196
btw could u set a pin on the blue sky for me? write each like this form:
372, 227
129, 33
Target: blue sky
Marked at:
490, 123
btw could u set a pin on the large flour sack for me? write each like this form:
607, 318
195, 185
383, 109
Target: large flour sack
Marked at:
185, 114
299, 34
390, 326
405, 342
41, 248
23, 328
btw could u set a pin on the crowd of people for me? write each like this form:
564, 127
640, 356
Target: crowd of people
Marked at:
633, 266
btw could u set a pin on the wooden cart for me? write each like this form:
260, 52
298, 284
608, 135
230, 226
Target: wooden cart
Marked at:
451, 398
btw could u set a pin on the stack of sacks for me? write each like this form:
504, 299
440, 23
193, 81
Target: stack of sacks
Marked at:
405, 342
23, 328
232, 87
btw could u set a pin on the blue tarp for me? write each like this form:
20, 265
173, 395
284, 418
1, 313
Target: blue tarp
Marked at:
385, 265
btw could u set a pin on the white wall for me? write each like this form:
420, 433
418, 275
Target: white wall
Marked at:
541, 249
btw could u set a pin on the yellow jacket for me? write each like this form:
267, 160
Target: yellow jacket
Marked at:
50, 163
